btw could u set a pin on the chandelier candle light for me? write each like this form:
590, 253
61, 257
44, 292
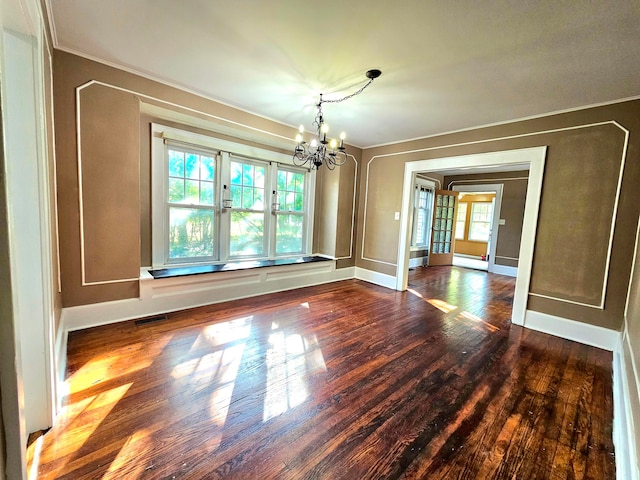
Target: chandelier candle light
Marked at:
321, 150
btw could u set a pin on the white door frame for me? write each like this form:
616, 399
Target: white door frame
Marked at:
535, 156
495, 215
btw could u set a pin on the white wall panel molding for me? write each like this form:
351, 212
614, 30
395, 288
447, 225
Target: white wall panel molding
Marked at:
487, 140
281, 141
353, 208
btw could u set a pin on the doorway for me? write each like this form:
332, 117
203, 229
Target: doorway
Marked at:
535, 157
477, 225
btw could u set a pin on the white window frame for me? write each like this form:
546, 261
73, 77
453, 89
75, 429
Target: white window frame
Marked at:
431, 187
168, 205
307, 227
460, 235
472, 222
160, 134
265, 210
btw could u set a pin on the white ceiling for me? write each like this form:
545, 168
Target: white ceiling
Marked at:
446, 65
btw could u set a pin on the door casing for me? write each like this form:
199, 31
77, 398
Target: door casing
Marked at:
535, 157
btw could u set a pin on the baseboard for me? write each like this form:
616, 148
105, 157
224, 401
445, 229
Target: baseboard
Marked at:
600, 337
417, 262
625, 381
378, 278
179, 293
60, 365
505, 270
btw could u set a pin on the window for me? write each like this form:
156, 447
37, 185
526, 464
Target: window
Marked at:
461, 220
480, 222
246, 234
290, 212
421, 216
218, 201
190, 194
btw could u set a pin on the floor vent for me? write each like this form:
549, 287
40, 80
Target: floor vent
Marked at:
156, 318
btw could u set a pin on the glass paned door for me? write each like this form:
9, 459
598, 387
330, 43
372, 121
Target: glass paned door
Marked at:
443, 232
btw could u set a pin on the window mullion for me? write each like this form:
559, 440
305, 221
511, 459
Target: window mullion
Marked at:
225, 213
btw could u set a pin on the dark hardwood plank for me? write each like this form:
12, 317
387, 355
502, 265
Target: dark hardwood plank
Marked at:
345, 380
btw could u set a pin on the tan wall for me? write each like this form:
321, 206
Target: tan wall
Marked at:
115, 172
514, 193
580, 188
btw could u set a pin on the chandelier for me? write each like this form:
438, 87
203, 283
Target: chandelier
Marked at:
321, 150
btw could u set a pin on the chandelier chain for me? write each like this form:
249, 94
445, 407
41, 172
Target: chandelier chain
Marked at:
357, 92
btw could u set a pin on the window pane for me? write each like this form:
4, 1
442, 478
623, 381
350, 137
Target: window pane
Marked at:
247, 175
247, 197
258, 200
206, 168
282, 180
246, 233
236, 196
185, 171
176, 190
247, 185
236, 173
176, 163
259, 177
192, 194
192, 166
206, 193
289, 234
190, 233
290, 191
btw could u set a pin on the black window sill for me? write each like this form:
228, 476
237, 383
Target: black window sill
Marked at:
231, 267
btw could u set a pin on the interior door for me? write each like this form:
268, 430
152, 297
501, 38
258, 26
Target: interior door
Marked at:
443, 227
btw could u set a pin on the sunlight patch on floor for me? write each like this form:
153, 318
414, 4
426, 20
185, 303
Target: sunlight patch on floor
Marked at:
442, 305
225, 332
474, 318
116, 363
290, 360
125, 465
94, 410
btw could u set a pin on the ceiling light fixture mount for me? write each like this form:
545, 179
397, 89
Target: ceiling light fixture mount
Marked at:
322, 150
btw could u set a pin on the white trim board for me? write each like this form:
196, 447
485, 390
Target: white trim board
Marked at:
377, 278
592, 335
624, 378
172, 294
505, 270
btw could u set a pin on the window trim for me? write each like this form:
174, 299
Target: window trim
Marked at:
463, 237
431, 187
161, 134
307, 227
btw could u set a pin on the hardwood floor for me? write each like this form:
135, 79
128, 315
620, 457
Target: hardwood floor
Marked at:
345, 380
